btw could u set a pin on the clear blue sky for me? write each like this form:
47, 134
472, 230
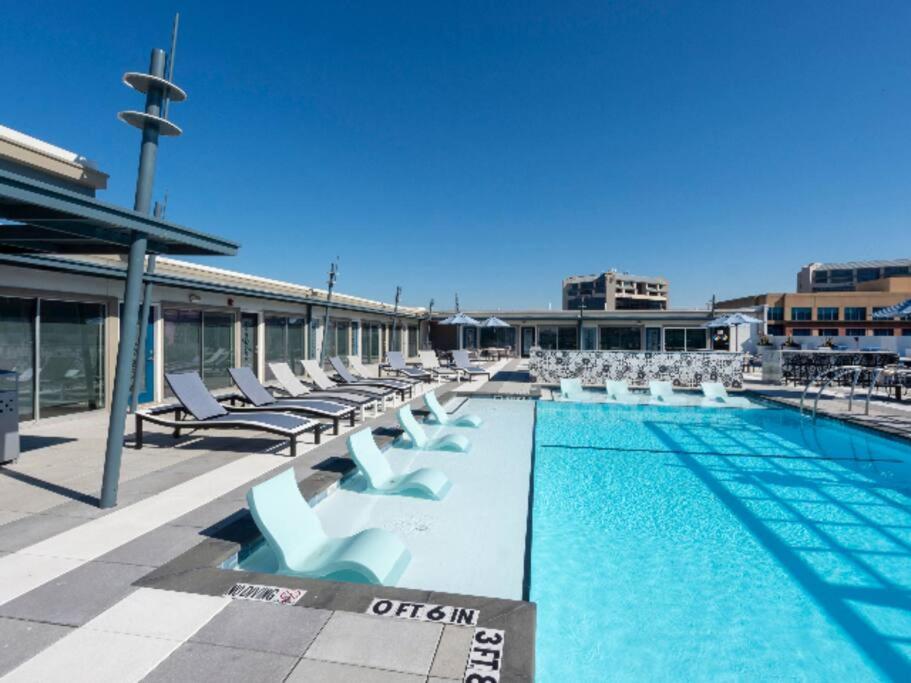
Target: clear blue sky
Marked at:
494, 147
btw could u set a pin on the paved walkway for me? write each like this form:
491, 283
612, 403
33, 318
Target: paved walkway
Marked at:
885, 414
69, 605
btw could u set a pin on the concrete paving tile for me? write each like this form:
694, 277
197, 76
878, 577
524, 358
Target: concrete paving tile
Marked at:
203, 663
392, 644
310, 670
265, 627
21, 640
95, 656
159, 614
452, 652
20, 573
156, 547
7, 516
77, 596
31, 529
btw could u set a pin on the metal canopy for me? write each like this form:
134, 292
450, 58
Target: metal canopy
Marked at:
48, 218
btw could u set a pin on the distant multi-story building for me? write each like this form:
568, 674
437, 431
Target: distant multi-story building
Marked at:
832, 313
847, 277
615, 291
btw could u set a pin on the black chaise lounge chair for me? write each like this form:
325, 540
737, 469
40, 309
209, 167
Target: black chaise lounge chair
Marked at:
347, 379
260, 399
460, 358
397, 364
291, 385
208, 413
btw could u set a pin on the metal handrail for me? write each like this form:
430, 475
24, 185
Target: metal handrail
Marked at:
832, 374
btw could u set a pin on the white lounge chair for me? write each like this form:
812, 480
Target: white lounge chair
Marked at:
419, 439
662, 393
717, 395
301, 547
371, 462
321, 380
431, 363
618, 390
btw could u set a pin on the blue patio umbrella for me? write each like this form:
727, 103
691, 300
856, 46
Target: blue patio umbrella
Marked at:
901, 310
494, 322
460, 319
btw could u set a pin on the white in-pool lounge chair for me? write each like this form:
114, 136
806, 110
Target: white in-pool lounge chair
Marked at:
440, 416
571, 389
300, 545
291, 385
618, 390
662, 393
717, 395
321, 380
419, 439
371, 462
431, 364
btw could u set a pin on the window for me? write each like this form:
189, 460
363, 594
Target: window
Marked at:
867, 274
313, 333
821, 277
802, 332
828, 332
827, 313
285, 340
855, 332
17, 348
685, 339
199, 341
841, 276
568, 338
906, 332
855, 313
71, 357
469, 337
776, 312
890, 271
776, 330
589, 338
412, 341
563, 338
500, 337
355, 338
249, 356
371, 342
801, 313
620, 338
877, 309
889, 332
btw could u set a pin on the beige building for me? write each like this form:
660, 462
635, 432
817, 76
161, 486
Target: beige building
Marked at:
831, 314
615, 291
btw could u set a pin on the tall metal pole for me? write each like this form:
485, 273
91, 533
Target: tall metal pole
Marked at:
139, 374
135, 266
427, 344
395, 317
333, 274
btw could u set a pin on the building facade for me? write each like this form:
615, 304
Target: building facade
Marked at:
615, 291
848, 277
832, 314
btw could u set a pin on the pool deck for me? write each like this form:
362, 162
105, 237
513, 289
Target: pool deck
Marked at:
133, 593
886, 416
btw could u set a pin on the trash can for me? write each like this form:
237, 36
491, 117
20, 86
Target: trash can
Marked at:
9, 416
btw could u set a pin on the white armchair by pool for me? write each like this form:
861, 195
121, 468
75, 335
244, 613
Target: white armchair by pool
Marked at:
419, 439
662, 393
371, 462
717, 395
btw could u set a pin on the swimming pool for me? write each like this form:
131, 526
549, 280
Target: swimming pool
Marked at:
682, 543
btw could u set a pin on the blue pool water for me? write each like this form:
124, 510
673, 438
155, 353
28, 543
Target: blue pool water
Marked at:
691, 544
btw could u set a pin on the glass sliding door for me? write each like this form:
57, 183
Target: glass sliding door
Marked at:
182, 340
17, 348
249, 345
355, 338
568, 338
285, 341
297, 342
652, 338
621, 338
528, 340
547, 338
370, 338
218, 349
412, 341
71, 375
685, 339
469, 337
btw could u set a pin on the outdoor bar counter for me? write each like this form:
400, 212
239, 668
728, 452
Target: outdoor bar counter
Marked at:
800, 365
683, 368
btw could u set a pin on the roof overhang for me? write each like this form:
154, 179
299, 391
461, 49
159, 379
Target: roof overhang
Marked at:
46, 218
